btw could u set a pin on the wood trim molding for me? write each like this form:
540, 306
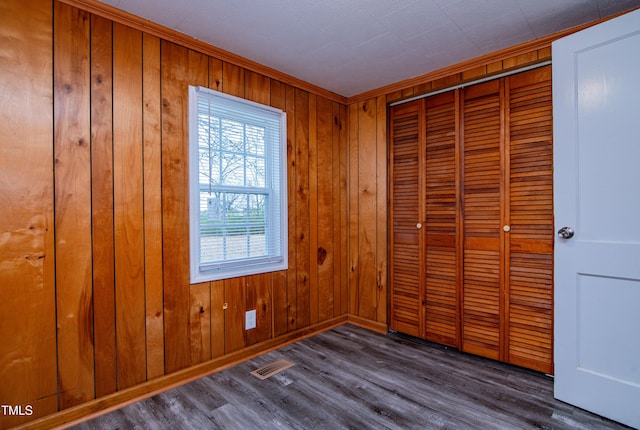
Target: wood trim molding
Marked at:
75, 415
513, 51
367, 324
149, 27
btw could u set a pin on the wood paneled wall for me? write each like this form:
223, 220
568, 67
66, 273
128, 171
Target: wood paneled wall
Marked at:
94, 236
368, 211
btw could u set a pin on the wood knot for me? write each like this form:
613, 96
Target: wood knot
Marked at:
322, 255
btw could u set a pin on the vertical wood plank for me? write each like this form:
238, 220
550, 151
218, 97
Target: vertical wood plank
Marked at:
215, 74
236, 298
27, 262
153, 206
325, 250
175, 214
353, 226
279, 286
381, 209
337, 211
259, 297
72, 131
313, 209
233, 79
200, 323
302, 208
217, 319
257, 88
102, 205
292, 192
367, 189
280, 304
128, 206
344, 209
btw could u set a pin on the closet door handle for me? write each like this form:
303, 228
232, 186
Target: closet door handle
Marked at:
418, 226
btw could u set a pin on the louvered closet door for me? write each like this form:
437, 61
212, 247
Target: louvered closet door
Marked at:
529, 250
482, 125
406, 263
441, 283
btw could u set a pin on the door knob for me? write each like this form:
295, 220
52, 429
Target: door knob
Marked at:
566, 232
418, 226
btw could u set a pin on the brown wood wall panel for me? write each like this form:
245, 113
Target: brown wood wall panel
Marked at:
235, 295
108, 103
278, 95
27, 257
152, 182
200, 323
342, 160
128, 206
102, 205
325, 247
313, 208
352, 201
367, 305
381, 212
367, 217
259, 297
302, 209
218, 312
174, 78
72, 152
292, 191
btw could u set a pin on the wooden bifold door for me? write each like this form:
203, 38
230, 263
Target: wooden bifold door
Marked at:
471, 219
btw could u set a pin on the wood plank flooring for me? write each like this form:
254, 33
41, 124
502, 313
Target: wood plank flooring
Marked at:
351, 378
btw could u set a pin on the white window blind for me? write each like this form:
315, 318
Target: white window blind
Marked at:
237, 181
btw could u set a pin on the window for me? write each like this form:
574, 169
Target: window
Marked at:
237, 186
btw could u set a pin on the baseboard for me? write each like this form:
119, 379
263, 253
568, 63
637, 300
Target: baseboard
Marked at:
103, 405
368, 324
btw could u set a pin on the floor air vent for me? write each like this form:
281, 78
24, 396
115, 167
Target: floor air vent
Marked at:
269, 370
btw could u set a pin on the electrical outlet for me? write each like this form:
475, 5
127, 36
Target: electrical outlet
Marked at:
250, 320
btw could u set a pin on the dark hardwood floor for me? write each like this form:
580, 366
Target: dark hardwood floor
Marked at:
351, 378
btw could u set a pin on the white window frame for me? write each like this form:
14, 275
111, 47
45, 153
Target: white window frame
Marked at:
275, 188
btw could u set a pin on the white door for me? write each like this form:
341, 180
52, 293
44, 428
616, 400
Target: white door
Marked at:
596, 90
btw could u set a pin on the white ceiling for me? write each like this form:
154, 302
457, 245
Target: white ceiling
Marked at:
352, 46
